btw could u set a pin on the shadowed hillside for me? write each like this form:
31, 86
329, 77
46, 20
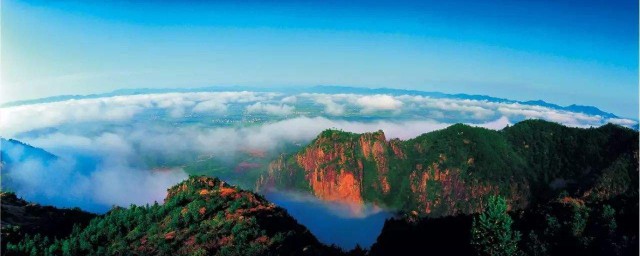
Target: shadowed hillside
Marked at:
20, 218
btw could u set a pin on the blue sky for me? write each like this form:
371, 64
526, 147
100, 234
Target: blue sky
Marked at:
566, 52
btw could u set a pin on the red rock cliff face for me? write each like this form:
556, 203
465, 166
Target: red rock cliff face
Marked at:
374, 147
334, 165
325, 180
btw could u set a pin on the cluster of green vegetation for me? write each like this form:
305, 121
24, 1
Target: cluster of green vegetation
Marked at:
529, 162
572, 226
200, 216
561, 226
575, 158
491, 233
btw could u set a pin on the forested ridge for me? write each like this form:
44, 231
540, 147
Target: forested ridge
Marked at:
456, 169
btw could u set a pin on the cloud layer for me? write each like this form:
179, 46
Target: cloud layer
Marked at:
91, 173
122, 109
99, 170
106, 144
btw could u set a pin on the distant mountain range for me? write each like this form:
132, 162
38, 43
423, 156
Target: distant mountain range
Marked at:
590, 110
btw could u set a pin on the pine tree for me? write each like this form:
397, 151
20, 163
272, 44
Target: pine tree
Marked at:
491, 232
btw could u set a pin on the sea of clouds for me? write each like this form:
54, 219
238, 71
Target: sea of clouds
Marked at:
102, 143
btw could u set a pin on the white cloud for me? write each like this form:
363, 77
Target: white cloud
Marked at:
91, 173
289, 100
378, 102
560, 116
63, 183
622, 121
473, 108
273, 109
123, 109
329, 101
330, 106
18, 119
210, 106
497, 124
29, 117
133, 186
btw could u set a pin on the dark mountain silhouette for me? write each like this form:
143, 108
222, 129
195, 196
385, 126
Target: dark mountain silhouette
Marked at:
20, 218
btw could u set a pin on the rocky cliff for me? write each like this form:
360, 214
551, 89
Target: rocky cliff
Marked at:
452, 171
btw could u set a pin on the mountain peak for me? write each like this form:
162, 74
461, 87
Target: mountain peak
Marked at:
212, 187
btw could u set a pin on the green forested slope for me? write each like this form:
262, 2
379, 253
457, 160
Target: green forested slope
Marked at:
200, 216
